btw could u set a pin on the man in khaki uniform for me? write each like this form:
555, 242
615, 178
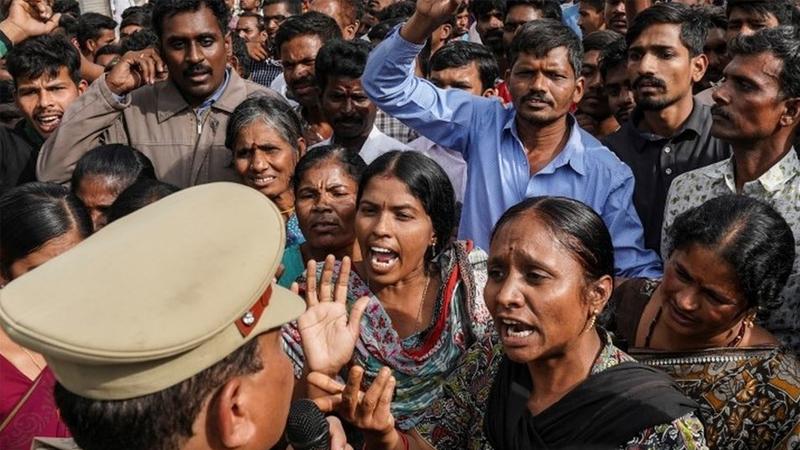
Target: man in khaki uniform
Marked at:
172, 342
172, 104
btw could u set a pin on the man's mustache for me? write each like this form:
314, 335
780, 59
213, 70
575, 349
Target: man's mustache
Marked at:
717, 110
649, 80
536, 96
197, 69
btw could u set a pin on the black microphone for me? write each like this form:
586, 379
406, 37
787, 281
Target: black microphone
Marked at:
307, 428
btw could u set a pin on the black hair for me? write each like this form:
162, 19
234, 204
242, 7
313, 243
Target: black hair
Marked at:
68, 26
140, 40
480, 8
44, 55
539, 37
426, 181
575, 226
124, 164
33, 214
402, 9
749, 235
110, 49
161, 420
351, 162
311, 23
239, 49
694, 28
136, 15
550, 9
71, 7
597, 5
457, 53
164, 9
138, 195
714, 16
91, 24
783, 10
599, 40
781, 42
295, 7
383, 28
340, 58
614, 55
261, 25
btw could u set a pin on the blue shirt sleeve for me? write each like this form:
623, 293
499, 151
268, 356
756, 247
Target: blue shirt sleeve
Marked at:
631, 257
446, 117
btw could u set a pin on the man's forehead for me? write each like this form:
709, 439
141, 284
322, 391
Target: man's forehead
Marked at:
201, 22
759, 66
62, 75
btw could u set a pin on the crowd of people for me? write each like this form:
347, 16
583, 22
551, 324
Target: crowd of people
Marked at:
452, 224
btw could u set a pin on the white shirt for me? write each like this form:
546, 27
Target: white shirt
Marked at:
279, 85
450, 161
376, 144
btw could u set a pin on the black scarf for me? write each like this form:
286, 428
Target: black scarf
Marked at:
604, 412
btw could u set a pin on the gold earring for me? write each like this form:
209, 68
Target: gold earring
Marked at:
592, 321
748, 321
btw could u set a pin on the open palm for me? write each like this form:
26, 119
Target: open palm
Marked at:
328, 337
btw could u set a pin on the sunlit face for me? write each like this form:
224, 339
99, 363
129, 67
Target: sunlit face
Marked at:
702, 296
264, 159
247, 28
535, 291
462, 23
271, 390
617, 88
595, 101
590, 19
347, 108
467, 78
544, 89
298, 56
195, 52
97, 193
46, 252
614, 16
660, 67
333, 8
516, 17
490, 28
749, 103
325, 202
393, 230
43, 100
747, 22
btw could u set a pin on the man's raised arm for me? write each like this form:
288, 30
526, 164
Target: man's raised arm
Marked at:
443, 116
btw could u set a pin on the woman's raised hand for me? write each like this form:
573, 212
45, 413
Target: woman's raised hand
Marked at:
370, 411
328, 337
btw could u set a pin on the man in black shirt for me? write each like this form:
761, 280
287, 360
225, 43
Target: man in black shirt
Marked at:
669, 132
46, 72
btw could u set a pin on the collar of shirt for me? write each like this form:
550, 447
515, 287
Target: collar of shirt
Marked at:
169, 100
693, 124
571, 154
772, 180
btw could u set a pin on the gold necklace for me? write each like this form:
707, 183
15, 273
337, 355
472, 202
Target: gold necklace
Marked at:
287, 211
33, 360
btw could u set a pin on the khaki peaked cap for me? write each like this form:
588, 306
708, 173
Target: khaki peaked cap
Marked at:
157, 296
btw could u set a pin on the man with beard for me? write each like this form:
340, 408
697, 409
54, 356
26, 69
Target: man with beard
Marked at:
171, 105
344, 103
669, 132
298, 41
757, 111
594, 115
531, 148
46, 73
489, 16
616, 86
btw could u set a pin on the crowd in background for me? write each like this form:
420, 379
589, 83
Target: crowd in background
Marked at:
510, 224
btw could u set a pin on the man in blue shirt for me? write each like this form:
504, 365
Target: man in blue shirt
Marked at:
532, 148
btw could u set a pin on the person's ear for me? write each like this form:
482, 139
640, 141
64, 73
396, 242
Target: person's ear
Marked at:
491, 92
350, 31
301, 146
445, 31
228, 43
233, 421
577, 94
507, 75
698, 66
599, 292
791, 112
82, 86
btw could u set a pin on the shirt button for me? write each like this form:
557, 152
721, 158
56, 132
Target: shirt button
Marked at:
668, 171
667, 149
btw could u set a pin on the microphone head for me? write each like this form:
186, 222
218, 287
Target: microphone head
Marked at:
306, 427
